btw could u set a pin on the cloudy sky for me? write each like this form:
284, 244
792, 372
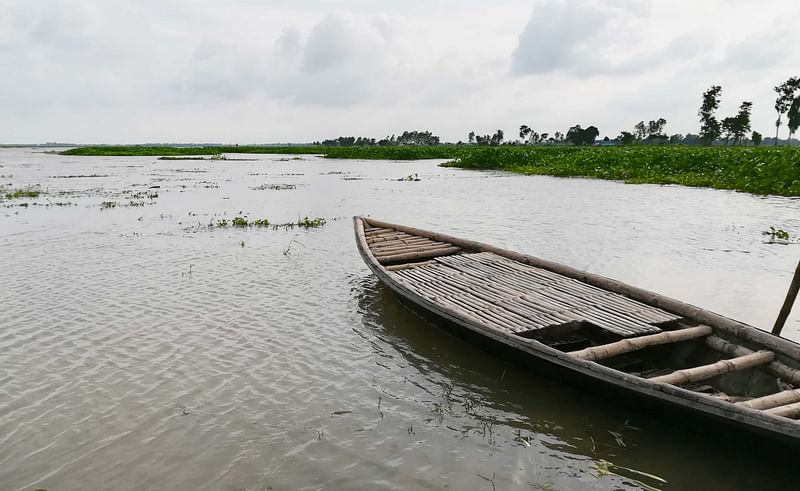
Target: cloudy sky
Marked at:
126, 71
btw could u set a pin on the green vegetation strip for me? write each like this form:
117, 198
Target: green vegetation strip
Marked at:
749, 169
408, 152
759, 170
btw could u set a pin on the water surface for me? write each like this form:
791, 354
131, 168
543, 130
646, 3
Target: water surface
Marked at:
142, 349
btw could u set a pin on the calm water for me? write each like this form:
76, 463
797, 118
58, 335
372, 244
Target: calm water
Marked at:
140, 349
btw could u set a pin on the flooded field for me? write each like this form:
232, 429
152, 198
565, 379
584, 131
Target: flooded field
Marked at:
147, 343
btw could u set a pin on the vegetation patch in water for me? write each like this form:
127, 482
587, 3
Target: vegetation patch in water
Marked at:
22, 193
78, 176
244, 222
410, 177
274, 187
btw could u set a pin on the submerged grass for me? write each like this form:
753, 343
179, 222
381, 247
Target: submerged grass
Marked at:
759, 170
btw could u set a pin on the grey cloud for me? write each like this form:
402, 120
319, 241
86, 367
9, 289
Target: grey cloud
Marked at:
340, 39
553, 35
757, 52
591, 38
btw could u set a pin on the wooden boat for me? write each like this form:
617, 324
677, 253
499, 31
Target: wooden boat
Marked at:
612, 337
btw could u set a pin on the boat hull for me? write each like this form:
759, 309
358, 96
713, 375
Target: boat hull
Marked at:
682, 406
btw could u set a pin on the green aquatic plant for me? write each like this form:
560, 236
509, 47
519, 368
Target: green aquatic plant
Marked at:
22, 193
410, 177
776, 235
108, 204
310, 222
239, 222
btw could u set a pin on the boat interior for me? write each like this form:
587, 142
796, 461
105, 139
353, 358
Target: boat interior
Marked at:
588, 322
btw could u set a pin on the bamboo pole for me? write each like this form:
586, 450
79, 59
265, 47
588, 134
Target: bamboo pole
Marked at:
390, 244
418, 255
408, 247
377, 231
627, 345
400, 267
791, 411
772, 400
791, 295
704, 372
781, 370
410, 250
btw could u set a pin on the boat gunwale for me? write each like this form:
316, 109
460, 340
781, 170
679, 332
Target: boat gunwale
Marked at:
672, 394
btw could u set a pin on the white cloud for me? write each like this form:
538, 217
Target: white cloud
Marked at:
247, 70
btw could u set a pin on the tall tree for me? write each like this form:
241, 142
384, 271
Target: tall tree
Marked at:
756, 138
794, 117
580, 136
742, 125
676, 139
575, 135
710, 128
655, 129
640, 129
524, 131
626, 138
497, 138
471, 137
590, 134
784, 101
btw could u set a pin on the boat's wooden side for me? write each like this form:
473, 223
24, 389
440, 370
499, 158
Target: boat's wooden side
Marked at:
414, 267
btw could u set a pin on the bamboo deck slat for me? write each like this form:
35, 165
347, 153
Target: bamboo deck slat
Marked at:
534, 298
400, 267
410, 256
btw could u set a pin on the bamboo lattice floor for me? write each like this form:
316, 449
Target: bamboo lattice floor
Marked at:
513, 296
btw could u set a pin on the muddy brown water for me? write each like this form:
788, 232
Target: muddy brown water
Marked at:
141, 349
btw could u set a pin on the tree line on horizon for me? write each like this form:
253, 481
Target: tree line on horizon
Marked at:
730, 130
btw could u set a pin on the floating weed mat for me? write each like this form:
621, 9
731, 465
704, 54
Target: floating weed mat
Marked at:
777, 235
79, 176
244, 222
216, 156
46, 204
20, 194
141, 194
274, 187
410, 178
107, 205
